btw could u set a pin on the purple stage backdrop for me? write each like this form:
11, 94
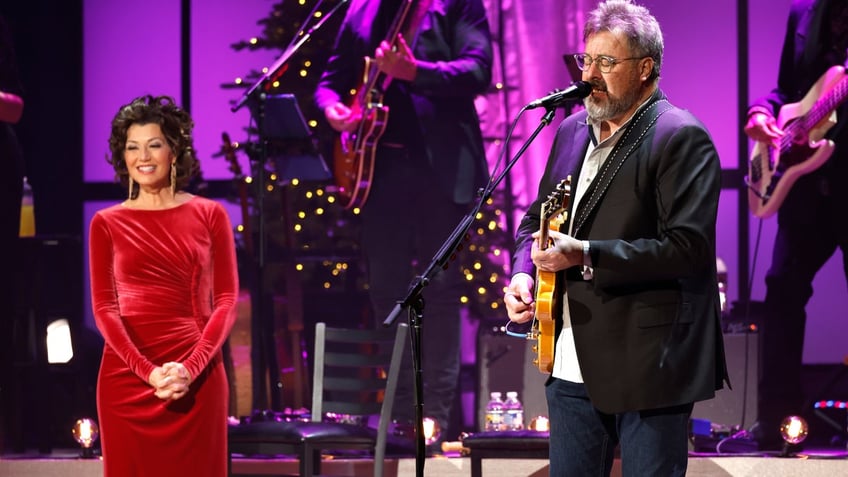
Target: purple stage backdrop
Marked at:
133, 49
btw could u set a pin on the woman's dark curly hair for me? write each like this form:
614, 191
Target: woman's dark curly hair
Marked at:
176, 125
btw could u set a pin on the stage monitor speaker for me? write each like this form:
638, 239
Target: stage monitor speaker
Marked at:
505, 363
737, 406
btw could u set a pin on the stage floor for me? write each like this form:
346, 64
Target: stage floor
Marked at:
825, 463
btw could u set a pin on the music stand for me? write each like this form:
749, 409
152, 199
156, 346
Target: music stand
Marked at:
295, 155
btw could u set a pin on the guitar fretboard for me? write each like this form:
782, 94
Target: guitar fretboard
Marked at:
824, 106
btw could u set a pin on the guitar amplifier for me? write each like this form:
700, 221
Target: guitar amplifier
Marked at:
505, 363
730, 407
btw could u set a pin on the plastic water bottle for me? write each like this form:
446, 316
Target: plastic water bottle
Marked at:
27, 227
514, 412
495, 413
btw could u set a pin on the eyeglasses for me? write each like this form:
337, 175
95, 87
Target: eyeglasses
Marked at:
603, 62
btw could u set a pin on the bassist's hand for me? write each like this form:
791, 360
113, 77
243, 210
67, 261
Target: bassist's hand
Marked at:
341, 118
762, 127
519, 298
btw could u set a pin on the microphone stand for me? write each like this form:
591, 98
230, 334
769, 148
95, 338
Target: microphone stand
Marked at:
414, 299
261, 325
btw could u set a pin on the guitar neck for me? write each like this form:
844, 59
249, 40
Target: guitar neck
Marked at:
376, 81
823, 107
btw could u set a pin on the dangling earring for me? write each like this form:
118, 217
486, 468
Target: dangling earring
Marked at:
174, 179
131, 188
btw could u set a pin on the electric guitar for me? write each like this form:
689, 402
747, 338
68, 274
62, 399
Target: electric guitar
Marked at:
354, 151
553, 215
774, 168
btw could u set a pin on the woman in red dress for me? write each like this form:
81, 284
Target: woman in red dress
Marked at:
164, 284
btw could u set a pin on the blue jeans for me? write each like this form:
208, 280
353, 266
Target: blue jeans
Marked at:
583, 439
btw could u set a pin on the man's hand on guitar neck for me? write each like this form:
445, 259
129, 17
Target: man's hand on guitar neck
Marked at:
396, 60
341, 118
762, 127
565, 252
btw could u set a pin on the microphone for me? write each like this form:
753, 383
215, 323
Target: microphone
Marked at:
577, 90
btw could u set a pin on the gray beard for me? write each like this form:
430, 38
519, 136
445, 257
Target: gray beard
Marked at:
614, 108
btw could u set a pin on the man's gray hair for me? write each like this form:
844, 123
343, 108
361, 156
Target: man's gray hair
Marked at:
635, 22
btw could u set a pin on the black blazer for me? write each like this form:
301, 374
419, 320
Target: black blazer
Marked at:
647, 326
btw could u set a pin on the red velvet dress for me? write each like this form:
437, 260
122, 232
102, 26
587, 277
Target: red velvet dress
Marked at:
164, 285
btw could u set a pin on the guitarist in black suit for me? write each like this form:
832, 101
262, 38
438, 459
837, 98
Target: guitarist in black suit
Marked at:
639, 335
811, 220
429, 164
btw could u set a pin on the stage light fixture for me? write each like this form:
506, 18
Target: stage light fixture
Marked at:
86, 433
59, 346
432, 430
539, 423
793, 430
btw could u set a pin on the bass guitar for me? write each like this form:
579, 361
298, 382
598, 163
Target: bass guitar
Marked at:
354, 151
553, 215
774, 167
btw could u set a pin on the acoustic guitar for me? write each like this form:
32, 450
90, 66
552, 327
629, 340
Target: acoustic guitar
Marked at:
552, 216
774, 168
354, 151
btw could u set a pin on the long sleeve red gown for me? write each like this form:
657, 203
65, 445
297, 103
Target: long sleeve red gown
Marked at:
164, 285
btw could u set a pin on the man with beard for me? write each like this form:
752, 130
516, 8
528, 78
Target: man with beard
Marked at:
635, 302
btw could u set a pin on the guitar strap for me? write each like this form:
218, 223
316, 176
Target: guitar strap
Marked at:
634, 135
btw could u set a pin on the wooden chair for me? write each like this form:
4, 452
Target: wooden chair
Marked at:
355, 374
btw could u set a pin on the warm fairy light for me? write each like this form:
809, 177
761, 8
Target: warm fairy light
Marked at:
494, 305
307, 63
248, 180
496, 252
357, 210
493, 225
319, 192
254, 41
480, 231
478, 216
319, 211
294, 182
265, 70
276, 84
463, 299
238, 81
299, 267
298, 227
301, 215
308, 194
493, 278
312, 123
481, 290
303, 73
469, 277
327, 285
477, 265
